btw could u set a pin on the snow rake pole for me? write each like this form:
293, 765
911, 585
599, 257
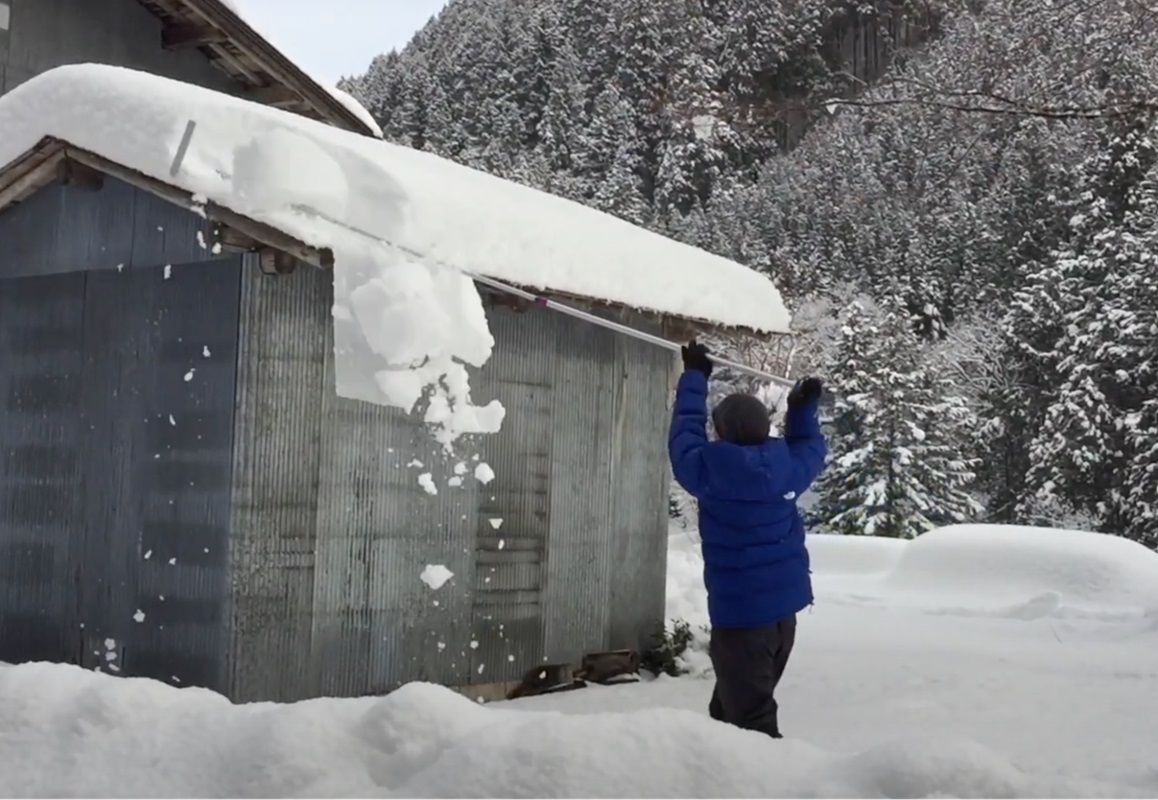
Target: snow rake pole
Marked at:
553, 305
183, 149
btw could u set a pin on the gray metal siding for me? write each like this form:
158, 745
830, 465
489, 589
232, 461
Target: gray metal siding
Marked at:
576, 565
44, 34
66, 229
638, 471
281, 366
116, 434
117, 469
41, 469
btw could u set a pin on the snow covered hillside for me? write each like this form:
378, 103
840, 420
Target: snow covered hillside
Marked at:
973, 662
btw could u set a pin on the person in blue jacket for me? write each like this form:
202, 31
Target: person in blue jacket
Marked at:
756, 565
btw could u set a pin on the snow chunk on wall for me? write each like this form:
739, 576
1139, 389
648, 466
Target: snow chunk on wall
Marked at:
435, 576
402, 330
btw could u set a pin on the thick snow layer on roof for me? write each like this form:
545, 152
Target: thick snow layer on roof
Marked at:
434, 210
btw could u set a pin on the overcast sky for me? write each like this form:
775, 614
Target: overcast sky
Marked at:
335, 38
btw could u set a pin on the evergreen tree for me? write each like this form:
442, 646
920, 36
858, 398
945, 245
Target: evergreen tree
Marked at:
1105, 356
897, 435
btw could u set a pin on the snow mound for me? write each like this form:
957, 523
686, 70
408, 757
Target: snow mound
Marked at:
853, 555
1028, 573
65, 728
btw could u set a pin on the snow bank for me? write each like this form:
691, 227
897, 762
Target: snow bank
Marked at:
969, 570
1029, 572
66, 732
853, 555
423, 208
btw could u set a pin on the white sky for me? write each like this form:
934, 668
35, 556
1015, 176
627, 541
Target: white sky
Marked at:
336, 38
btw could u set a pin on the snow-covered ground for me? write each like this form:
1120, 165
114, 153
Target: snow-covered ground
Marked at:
971, 663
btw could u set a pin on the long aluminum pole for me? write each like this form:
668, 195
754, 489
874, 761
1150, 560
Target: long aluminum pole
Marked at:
619, 328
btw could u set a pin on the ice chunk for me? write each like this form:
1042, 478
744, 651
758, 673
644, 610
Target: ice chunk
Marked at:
483, 473
435, 576
496, 522
426, 481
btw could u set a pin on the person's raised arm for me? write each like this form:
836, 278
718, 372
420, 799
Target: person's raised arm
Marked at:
689, 425
802, 434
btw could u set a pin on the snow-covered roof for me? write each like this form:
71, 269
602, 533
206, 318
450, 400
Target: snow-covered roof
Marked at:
319, 184
357, 109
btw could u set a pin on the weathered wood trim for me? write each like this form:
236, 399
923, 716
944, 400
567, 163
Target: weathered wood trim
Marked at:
30, 172
245, 55
273, 95
179, 37
279, 67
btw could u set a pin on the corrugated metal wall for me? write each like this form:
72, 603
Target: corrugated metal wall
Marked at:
43, 34
117, 373
565, 552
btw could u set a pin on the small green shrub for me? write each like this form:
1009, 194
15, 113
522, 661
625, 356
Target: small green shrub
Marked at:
662, 656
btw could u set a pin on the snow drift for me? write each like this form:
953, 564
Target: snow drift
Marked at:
70, 733
1034, 572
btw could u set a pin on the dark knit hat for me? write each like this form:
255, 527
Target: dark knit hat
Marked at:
742, 419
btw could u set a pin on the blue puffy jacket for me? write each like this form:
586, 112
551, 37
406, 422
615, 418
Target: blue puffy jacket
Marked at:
756, 566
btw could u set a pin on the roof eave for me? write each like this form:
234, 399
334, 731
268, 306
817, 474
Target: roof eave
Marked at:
277, 66
53, 159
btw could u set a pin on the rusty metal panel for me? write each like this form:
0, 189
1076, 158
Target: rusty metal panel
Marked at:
281, 366
639, 478
49, 33
41, 472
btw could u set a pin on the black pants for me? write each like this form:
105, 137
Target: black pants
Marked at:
748, 663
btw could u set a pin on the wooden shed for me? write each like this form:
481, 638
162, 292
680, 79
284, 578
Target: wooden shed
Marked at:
183, 496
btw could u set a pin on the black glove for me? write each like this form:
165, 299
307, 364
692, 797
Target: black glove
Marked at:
696, 357
805, 393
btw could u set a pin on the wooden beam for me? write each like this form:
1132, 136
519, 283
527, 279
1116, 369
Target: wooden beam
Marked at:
280, 69
235, 241
276, 262
180, 37
273, 96
78, 176
30, 172
258, 231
